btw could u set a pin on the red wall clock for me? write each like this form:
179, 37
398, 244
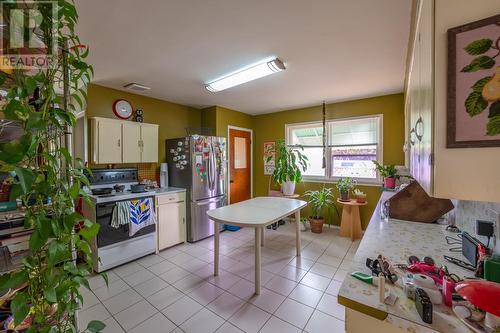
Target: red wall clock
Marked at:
122, 109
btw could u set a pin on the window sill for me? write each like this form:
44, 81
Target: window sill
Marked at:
333, 181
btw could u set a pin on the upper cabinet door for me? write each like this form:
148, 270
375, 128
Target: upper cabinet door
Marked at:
149, 143
107, 141
131, 142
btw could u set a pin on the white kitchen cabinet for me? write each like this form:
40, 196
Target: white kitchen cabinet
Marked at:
106, 141
121, 141
171, 219
149, 143
131, 142
420, 97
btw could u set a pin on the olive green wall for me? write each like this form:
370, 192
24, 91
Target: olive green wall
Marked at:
172, 118
209, 118
271, 126
226, 117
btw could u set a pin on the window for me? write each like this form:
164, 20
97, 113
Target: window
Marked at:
351, 145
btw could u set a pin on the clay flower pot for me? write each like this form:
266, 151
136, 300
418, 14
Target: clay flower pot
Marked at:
361, 198
316, 224
344, 196
390, 182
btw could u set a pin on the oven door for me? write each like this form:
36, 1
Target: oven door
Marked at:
107, 234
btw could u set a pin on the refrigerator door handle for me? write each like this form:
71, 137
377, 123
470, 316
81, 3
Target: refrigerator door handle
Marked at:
209, 168
209, 201
213, 167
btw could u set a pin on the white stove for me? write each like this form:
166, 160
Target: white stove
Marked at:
114, 246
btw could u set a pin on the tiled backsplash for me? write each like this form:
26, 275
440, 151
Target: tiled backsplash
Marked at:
466, 213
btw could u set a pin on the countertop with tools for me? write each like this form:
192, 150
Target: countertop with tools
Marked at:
398, 240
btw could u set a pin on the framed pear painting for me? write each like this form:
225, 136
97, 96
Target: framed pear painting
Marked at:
474, 84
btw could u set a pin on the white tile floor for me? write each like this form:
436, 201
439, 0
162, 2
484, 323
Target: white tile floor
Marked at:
176, 291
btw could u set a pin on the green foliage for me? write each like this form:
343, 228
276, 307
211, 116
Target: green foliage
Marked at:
357, 192
289, 164
479, 63
319, 200
345, 184
48, 182
475, 103
493, 126
386, 171
479, 46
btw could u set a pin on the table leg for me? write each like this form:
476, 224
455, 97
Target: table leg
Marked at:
216, 249
346, 222
297, 232
258, 234
356, 231
262, 241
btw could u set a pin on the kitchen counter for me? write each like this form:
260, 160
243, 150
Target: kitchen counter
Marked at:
168, 190
128, 195
397, 240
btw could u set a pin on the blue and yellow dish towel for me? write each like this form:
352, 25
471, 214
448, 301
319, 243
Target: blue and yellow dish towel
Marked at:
137, 214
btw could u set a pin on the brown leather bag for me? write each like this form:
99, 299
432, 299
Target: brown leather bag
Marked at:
414, 204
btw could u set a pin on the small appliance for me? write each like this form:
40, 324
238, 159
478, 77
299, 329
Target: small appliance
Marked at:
164, 175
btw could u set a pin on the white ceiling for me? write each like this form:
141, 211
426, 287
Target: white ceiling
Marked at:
333, 49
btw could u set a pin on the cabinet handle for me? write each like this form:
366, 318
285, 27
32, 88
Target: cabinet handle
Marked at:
419, 129
119, 142
411, 141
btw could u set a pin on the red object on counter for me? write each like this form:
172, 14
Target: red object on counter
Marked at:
481, 293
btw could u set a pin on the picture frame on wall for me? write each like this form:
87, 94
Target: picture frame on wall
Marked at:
473, 96
269, 164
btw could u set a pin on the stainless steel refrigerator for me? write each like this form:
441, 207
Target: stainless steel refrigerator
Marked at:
198, 164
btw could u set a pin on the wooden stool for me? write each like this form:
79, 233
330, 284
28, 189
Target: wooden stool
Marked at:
350, 225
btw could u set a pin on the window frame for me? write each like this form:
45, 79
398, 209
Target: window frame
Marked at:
328, 170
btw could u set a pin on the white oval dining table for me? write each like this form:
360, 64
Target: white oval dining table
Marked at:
256, 213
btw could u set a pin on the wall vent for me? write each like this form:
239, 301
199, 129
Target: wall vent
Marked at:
136, 87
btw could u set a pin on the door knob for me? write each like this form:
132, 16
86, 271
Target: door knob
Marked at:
231, 181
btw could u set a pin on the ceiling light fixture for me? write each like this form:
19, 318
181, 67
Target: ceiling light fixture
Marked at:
247, 74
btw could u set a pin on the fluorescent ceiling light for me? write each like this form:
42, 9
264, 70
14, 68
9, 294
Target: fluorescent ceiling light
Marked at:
245, 75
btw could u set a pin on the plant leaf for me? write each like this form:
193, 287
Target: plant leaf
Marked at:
19, 307
13, 280
95, 326
50, 295
479, 85
482, 62
479, 46
494, 110
26, 178
475, 103
89, 232
493, 126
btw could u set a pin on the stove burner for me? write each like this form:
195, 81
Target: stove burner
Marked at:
102, 191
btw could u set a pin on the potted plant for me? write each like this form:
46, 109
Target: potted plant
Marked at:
388, 172
47, 181
360, 196
289, 164
303, 224
345, 185
319, 200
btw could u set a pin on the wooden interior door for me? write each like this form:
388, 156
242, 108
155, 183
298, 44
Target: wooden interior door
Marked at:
239, 165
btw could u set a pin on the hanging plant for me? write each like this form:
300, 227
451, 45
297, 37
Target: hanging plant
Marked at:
485, 92
47, 180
